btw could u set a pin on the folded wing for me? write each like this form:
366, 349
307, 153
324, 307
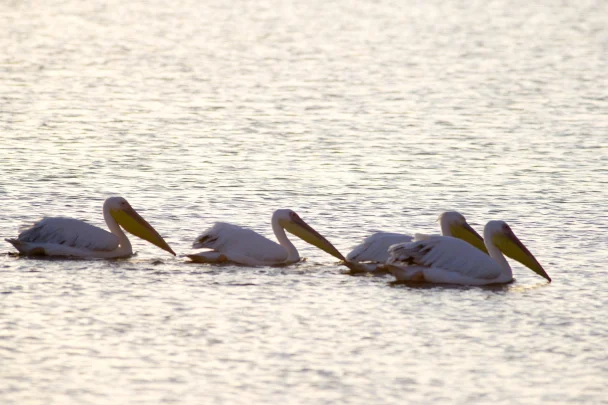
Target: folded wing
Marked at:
447, 253
232, 239
375, 247
69, 232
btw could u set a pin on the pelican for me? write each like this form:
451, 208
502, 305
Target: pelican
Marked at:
374, 248
59, 236
447, 260
232, 243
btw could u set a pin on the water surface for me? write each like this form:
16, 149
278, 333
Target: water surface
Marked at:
370, 116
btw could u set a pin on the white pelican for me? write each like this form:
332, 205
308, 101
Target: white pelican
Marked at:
232, 243
443, 259
374, 248
58, 236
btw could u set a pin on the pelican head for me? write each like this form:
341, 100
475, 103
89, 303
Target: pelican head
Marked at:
291, 222
501, 235
132, 222
458, 227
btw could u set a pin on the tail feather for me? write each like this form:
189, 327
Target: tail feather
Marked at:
26, 248
360, 268
16, 243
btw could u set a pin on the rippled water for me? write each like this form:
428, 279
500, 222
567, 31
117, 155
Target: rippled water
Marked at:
359, 116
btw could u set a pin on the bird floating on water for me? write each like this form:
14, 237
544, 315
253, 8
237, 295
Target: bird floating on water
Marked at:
448, 260
232, 243
59, 236
374, 249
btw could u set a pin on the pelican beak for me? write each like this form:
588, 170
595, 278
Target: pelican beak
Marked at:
133, 223
303, 231
468, 234
511, 246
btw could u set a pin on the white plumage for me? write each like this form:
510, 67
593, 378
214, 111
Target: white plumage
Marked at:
232, 243
60, 236
68, 232
443, 259
375, 247
451, 255
240, 245
372, 255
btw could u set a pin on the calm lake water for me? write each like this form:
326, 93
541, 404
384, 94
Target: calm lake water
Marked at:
374, 115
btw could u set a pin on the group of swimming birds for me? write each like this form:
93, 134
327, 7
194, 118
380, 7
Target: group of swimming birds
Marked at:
458, 256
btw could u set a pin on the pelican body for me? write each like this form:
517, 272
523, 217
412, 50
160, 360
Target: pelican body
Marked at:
232, 243
448, 260
374, 248
59, 236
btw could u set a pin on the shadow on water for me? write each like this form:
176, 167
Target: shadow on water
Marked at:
46, 257
112, 262
367, 274
51, 258
498, 288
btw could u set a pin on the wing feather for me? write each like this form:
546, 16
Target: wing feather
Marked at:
69, 232
447, 253
233, 240
375, 247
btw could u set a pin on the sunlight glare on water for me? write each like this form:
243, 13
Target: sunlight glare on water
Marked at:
376, 115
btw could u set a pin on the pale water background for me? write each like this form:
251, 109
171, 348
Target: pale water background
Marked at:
359, 116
